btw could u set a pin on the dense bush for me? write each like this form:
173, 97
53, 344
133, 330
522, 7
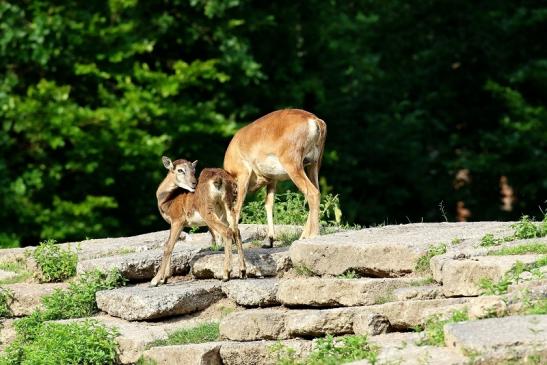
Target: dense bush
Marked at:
55, 263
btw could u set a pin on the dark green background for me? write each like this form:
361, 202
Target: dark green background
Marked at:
92, 93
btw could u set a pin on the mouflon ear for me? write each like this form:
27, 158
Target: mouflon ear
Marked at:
167, 162
194, 163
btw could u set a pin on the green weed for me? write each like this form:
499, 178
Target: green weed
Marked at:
527, 228
489, 240
86, 342
55, 264
287, 238
5, 298
145, 361
434, 327
349, 274
290, 208
489, 287
329, 351
303, 270
206, 332
421, 282
525, 248
423, 263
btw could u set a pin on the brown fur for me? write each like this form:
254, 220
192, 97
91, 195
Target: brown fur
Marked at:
214, 199
283, 135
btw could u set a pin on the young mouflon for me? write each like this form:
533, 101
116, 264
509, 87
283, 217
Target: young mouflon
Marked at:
209, 201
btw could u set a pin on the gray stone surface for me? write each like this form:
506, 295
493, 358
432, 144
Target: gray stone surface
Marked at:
7, 332
334, 292
252, 292
462, 277
191, 354
501, 339
260, 263
5, 275
143, 265
143, 302
282, 323
26, 297
418, 293
385, 251
371, 324
260, 352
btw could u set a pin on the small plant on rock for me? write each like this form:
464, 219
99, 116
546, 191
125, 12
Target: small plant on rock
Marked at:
5, 298
86, 342
527, 228
206, 332
423, 263
303, 270
55, 264
434, 328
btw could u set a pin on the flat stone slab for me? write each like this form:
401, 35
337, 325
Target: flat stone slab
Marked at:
497, 339
418, 293
259, 262
27, 297
260, 352
7, 332
143, 302
143, 265
463, 277
252, 292
385, 251
5, 275
191, 354
334, 292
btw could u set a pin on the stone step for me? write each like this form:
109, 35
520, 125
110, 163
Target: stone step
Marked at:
252, 292
259, 262
462, 277
6, 275
144, 302
261, 352
386, 251
418, 293
334, 292
191, 354
25, 298
7, 332
135, 337
143, 265
501, 340
282, 323
402, 348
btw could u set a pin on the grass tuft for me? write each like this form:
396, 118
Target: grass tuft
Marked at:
6, 297
329, 351
525, 248
434, 328
489, 287
423, 263
206, 332
349, 274
17, 267
303, 270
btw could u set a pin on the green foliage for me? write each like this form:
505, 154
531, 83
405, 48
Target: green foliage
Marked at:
513, 276
527, 228
525, 248
92, 95
329, 351
434, 327
489, 240
206, 332
79, 299
424, 261
55, 264
5, 298
287, 238
290, 208
145, 361
86, 342
303, 270
349, 274
538, 307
